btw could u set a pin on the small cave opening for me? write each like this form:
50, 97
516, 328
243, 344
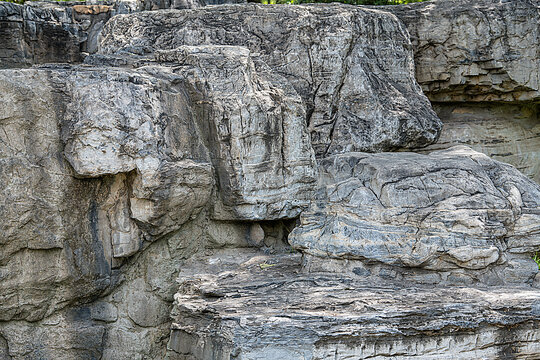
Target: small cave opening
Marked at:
271, 234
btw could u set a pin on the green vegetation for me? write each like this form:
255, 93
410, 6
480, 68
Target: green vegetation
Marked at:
352, 2
536, 259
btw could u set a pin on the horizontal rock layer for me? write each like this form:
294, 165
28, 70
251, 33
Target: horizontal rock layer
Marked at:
505, 132
254, 306
485, 52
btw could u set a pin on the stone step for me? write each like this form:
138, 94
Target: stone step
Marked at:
244, 304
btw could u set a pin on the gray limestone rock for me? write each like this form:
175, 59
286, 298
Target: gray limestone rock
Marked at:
51, 253
61, 234
43, 32
131, 122
190, 132
352, 66
454, 210
505, 132
255, 130
485, 52
248, 305
479, 65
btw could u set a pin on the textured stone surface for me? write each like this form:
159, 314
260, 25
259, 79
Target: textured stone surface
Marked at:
126, 121
485, 52
190, 132
256, 132
254, 306
37, 33
352, 67
505, 132
468, 56
51, 253
456, 212
133, 135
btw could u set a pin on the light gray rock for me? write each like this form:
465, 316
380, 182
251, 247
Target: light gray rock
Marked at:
485, 52
255, 130
126, 121
454, 209
51, 253
505, 132
62, 235
352, 66
190, 131
479, 66
232, 306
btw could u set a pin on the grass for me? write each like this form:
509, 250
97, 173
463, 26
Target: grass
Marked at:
536, 259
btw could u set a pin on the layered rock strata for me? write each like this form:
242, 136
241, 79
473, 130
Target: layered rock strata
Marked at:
256, 306
480, 68
196, 130
455, 213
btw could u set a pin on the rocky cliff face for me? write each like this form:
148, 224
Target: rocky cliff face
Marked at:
209, 184
479, 66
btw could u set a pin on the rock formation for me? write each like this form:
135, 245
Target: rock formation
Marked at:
216, 182
480, 68
352, 67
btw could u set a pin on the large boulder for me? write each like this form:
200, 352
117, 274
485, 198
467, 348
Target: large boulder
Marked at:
456, 213
254, 125
352, 67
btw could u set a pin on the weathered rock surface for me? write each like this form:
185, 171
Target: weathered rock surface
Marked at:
256, 132
37, 34
50, 251
455, 212
485, 52
198, 130
253, 306
467, 56
352, 67
132, 133
505, 132
51, 31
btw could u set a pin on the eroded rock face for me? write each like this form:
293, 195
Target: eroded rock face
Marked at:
51, 253
455, 212
198, 130
126, 121
256, 132
120, 161
485, 52
352, 67
480, 68
505, 132
38, 33
253, 306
